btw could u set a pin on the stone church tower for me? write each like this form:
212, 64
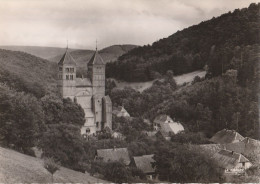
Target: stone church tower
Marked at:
88, 92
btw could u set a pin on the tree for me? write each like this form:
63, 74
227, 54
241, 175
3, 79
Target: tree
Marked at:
63, 142
51, 166
169, 79
21, 120
186, 164
116, 172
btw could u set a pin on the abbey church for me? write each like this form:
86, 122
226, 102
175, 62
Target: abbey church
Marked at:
88, 92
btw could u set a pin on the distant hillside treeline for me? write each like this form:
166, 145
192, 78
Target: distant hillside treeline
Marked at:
191, 48
39, 51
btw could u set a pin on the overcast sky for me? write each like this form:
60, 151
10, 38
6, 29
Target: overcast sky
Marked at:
140, 22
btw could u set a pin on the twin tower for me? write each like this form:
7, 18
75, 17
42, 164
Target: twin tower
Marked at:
88, 92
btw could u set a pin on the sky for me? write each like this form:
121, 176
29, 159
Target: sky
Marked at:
82, 22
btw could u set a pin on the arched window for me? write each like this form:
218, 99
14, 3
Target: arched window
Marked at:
97, 123
75, 99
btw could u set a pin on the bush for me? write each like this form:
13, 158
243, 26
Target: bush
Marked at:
51, 166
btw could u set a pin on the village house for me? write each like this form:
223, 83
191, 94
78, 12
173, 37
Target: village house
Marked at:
120, 111
166, 126
114, 154
145, 164
226, 136
231, 162
149, 133
117, 135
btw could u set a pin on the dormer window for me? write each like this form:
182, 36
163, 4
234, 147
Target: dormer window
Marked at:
71, 69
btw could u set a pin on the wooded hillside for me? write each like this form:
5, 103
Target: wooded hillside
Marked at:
192, 48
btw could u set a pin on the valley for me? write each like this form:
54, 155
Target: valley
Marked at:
183, 109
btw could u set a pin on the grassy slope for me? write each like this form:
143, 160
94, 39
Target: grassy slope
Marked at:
19, 168
42, 52
141, 86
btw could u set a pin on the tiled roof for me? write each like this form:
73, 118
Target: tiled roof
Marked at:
114, 154
120, 111
67, 59
229, 159
144, 163
162, 118
173, 127
226, 136
96, 59
247, 147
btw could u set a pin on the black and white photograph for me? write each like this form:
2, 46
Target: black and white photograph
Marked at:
129, 91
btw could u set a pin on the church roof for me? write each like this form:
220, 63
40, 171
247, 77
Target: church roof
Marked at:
67, 59
96, 59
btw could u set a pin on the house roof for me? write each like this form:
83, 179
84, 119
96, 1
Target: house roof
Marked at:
144, 163
96, 59
114, 154
229, 159
173, 127
120, 111
226, 136
162, 118
247, 147
67, 59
